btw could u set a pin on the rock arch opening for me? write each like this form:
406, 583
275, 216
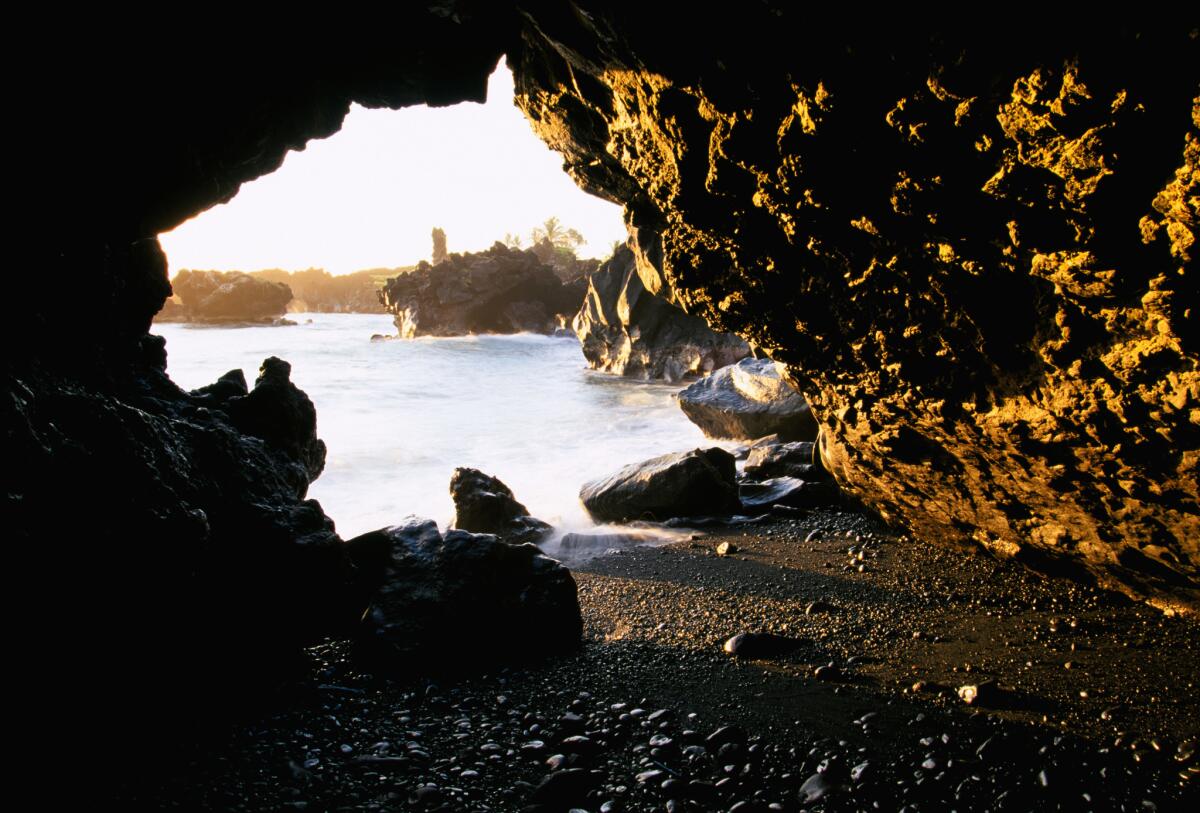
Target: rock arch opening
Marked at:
972, 249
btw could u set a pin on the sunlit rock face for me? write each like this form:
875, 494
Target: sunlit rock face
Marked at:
972, 249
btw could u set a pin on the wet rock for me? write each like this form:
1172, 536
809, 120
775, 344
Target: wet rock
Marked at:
625, 329
500, 290
788, 492
816, 787
695, 483
483, 504
461, 599
726, 548
230, 385
579, 544
748, 400
984, 693
754, 645
829, 672
226, 297
775, 458
726, 734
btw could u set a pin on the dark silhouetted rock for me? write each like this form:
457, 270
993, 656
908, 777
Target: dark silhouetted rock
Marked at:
315, 290
501, 290
483, 504
624, 329
226, 296
753, 645
461, 599
774, 458
684, 484
282, 416
786, 491
748, 400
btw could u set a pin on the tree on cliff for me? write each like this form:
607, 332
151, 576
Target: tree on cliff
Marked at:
439, 245
555, 244
557, 235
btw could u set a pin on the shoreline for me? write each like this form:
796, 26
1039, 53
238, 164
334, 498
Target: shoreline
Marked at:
655, 619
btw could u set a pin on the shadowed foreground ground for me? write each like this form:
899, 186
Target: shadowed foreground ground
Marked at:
1093, 709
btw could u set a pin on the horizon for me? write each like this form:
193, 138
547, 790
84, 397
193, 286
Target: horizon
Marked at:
369, 196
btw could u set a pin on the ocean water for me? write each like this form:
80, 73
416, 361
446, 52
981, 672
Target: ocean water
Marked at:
399, 416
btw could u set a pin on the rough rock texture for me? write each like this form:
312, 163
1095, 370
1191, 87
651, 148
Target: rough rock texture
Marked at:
501, 290
484, 505
746, 401
172, 561
684, 484
175, 526
976, 242
626, 330
972, 248
226, 296
462, 598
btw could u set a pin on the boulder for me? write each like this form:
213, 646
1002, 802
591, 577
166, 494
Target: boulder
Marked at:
774, 458
682, 484
460, 599
483, 504
225, 297
626, 330
748, 400
501, 290
786, 491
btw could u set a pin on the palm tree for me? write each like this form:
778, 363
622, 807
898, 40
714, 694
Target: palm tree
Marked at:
557, 235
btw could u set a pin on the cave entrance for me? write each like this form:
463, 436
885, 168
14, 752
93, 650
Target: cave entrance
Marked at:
346, 214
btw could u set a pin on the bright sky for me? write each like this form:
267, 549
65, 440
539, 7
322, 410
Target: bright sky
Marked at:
368, 196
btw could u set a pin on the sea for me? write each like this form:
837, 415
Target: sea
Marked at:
399, 416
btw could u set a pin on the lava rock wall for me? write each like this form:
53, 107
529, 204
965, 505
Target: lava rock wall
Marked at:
971, 247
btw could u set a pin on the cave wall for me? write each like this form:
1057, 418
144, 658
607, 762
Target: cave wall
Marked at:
171, 563
972, 247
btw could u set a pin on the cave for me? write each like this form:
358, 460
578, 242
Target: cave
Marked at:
969, 246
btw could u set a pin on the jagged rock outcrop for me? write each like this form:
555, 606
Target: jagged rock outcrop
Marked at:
626, 330
500, 290
461, 599
201, 550
747, 401
974, 245
484, 505
315, 290
225, 296
701, 482
971, 248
